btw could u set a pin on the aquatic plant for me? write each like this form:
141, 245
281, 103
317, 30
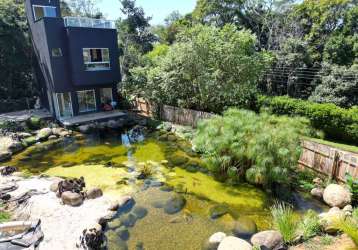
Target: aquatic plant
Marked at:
309, 225
145, 171
263, 148
284, 221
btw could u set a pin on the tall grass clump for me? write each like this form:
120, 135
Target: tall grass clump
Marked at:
349, 226
261, 147
284, 221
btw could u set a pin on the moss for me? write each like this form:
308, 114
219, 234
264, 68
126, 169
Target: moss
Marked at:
4, 217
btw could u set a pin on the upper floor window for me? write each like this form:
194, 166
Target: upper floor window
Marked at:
96, 59
43, 11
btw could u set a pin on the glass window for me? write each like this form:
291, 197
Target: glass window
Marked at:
96, 59
86, 101
56, 52
44, 11
64, 105
106, 95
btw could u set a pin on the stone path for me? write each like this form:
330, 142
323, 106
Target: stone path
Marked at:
62, 225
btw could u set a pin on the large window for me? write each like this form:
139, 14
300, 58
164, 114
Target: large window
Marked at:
106, 95
86, 101
44, 11
96, 59
64, 105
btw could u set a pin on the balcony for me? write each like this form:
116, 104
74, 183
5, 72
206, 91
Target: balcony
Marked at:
85, 22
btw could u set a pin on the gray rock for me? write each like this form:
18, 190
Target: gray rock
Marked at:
85, 129
233, 243
244, 228
123, 233
72, 199
43, 134
218, 211
337, 196
271, 240
140, 212
5, 155
120, 203
175, 204
215, 240
15, 147
94, 193
54, 185
128, 220
317, 193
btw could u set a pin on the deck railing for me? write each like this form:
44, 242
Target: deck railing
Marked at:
88, 23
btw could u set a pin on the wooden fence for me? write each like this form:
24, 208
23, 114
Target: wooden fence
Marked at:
321, 158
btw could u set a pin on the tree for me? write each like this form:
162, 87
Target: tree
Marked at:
208, 69
84, 8
16, 78
338, 85
134, 36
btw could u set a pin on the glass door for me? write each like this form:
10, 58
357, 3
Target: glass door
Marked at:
64, 105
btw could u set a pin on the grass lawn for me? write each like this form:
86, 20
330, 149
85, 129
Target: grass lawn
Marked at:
346, 147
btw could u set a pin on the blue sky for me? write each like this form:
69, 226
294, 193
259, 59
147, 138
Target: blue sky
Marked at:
157, 9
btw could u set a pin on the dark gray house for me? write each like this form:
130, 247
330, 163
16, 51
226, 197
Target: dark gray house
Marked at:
77, 60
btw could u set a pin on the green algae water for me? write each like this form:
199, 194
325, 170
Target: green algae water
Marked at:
177, 207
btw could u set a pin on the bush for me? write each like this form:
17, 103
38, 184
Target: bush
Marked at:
353, 187
337, 123
264, 148
309, 225
284, 221
208, 69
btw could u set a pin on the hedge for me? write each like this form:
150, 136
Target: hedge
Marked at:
337, 123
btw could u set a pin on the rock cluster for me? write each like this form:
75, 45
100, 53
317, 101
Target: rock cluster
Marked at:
270, 240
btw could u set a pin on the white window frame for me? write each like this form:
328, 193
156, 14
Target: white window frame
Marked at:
42, 6
58, 105
98, 63
94, 97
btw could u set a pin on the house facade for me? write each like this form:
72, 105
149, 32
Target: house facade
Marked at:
77, 60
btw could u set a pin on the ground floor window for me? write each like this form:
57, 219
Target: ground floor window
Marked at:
86, 101
106, 95
64, 105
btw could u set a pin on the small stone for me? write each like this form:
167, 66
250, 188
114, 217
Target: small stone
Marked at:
72, 199
218, 211
54, 185
233, 243
348, 208
94, 193
317, 193
52, 137
140, 212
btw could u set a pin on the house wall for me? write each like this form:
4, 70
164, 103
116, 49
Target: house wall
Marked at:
79, 38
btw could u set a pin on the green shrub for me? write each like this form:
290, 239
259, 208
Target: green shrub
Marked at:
349, 226
353, 187
355, 214
284, 221
309, 225
337, 123
263, 148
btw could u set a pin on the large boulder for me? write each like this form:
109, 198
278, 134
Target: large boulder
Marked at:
330, 219
244, 228
270, 240
233, 243
215, 240
43, 134
94, 193
337, 196
72, 199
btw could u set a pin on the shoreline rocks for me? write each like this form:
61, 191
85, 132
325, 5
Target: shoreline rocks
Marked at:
234, 243
337, 196
271, 240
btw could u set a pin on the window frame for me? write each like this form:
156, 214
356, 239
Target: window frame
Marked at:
43, 7
100, 94
96, 63
94, 97
54, 54
58, 104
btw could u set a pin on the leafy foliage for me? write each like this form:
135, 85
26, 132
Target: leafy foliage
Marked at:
349, 226
284, 221
207, 69
353, 187
337, 123
337, 85
310, 225
264, 148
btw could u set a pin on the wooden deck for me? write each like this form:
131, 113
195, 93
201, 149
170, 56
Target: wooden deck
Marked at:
98, 117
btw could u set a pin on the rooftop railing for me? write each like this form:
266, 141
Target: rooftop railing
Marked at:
88, 23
